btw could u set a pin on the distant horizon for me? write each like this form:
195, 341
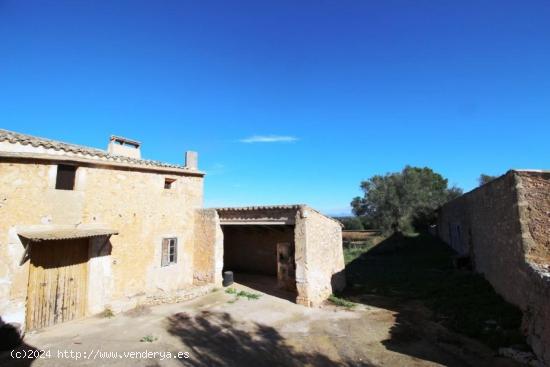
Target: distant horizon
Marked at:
287, 102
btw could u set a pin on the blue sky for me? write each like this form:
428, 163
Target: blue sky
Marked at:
287, 101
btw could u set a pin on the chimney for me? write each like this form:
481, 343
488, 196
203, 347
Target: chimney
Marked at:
191, 160
125, 147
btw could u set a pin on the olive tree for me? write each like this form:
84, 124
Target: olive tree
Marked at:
402, 201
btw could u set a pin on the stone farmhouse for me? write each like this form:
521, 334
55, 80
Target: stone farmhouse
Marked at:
83, 230
504, 228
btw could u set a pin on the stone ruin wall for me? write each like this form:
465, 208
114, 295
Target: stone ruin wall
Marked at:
504, 226
534, 213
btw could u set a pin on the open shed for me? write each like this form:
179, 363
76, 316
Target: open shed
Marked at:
291, 251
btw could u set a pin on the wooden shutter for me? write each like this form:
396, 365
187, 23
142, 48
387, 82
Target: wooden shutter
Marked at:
165, 256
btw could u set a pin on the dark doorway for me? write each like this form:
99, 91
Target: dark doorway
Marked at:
250, 251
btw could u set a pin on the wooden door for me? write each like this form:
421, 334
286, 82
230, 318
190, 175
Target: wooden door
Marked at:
286, 266
58, 279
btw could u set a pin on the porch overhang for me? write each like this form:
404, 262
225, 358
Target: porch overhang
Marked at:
66, 233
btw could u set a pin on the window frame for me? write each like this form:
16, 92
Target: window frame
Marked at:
169, 251
169, 183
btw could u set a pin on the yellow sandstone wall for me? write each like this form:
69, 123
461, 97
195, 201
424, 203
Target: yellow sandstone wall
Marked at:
125, 271
319, 257
208, 251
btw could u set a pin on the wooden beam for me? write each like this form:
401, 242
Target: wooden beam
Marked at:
246, 222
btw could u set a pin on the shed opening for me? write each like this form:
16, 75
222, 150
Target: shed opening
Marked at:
262, 257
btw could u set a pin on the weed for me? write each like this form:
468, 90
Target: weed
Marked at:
148, 339
231, 290
243, 294
248, 295
341, 302
107, 313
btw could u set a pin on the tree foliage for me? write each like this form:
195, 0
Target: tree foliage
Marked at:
483, 179
402, 201
351, 223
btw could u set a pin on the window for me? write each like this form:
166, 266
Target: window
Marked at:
65, 177
168, 183
169, 251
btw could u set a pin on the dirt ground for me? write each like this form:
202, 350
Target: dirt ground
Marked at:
217, 330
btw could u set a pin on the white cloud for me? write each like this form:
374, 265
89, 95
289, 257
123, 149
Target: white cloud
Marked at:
269, 139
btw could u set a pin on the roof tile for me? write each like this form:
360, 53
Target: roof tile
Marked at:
23, 139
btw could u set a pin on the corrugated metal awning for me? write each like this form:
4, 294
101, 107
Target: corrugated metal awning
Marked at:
66, 233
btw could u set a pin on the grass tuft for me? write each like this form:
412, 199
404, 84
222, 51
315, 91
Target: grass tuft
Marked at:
248, 295
242, 294
107, 313
148, 339
341, 302
231, 290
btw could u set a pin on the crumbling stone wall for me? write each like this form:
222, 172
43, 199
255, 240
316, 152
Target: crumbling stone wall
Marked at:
319, 257
504, 225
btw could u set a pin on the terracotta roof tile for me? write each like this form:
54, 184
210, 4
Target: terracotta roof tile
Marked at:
23, 139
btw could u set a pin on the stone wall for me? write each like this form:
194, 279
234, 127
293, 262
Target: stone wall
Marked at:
208, 251
319, 257
504, 227
131, 201
535, 213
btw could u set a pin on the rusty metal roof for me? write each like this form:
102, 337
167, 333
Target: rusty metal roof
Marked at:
23, 139
66, 233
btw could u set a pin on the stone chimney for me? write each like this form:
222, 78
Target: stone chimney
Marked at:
191, 160
125, 147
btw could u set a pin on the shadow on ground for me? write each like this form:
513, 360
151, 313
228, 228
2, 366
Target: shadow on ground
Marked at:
455, 312
265, 284
12, 349
214, 339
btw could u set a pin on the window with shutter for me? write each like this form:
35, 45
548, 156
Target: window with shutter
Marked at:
169, 253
